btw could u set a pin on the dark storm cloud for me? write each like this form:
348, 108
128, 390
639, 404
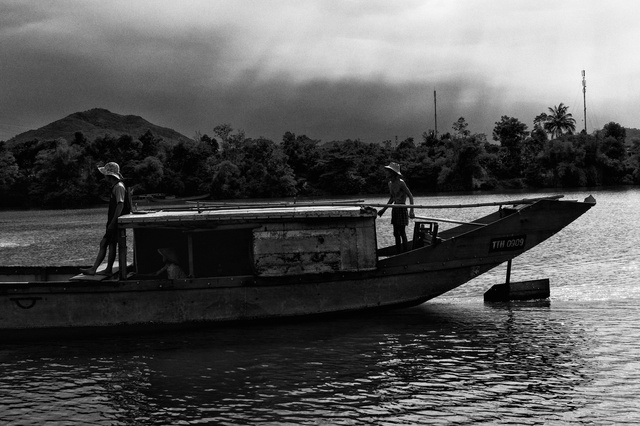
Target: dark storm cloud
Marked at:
373, 111
328, 69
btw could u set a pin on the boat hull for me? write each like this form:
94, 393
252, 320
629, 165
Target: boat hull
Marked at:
79, 307
169, 304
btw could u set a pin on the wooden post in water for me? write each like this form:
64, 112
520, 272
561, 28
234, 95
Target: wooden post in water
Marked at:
523, 290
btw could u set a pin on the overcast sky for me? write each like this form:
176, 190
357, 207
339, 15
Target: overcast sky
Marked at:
330, 69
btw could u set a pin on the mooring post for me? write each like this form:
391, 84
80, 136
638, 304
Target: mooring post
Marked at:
523, 290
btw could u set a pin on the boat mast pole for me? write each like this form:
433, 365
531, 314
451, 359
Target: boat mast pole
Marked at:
584, 98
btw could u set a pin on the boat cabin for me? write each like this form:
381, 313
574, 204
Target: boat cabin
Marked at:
281, 241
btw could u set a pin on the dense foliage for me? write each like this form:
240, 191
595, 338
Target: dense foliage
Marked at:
58, 173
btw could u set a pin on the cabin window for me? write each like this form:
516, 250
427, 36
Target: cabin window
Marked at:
222, 252
147, 243
203, 253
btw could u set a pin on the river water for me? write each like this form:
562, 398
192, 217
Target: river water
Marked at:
572, 359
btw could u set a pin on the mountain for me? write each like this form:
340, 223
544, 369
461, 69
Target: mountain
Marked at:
96, 123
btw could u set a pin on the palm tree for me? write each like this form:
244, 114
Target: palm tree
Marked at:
559, 121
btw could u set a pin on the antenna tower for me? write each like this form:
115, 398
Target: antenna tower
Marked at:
584, 98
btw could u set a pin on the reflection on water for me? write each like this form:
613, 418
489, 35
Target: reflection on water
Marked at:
437, 363
574, 359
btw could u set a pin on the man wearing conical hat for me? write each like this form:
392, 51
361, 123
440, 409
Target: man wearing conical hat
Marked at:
119, 203
399, 217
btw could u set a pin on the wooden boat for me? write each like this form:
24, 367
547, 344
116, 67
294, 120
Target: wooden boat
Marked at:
265, 262
167, 199
164, 199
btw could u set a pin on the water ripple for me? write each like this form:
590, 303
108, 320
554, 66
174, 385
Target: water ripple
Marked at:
573, 360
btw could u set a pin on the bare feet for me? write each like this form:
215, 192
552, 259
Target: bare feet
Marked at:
87, 271
105, 272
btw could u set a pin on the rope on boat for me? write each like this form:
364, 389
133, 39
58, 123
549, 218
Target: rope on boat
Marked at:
437, 219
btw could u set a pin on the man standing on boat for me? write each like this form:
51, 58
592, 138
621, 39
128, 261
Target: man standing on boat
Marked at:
119, 204
399, 217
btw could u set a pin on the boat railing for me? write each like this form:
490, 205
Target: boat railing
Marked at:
471, 205
202, 206
425, 233
439, 219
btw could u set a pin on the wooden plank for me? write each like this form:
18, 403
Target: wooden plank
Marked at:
275, 205
294, 241
122, 252
83, 277
460, 206
366, 246
222, 215
277, 264
522, 290
302, 247
190, 254
436, 219
96, 277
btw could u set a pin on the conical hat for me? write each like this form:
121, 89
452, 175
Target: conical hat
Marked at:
394, 167
170, 254
111, 169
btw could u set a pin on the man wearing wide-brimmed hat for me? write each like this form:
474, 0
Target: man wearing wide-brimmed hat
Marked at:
399, 217
172, 263
119, 203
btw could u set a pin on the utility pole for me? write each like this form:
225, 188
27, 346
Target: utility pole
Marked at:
584, 97
435, 113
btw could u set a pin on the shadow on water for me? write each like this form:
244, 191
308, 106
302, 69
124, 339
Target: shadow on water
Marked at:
453, 360
442, 361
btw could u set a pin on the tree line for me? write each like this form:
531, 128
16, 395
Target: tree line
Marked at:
229, 165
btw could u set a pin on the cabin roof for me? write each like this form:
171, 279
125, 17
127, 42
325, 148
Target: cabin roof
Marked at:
245, 214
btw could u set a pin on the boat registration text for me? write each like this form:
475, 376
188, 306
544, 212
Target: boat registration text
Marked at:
507, 243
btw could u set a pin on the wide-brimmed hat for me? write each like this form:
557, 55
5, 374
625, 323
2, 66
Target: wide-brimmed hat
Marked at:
111, 169
394, 167
170, 254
